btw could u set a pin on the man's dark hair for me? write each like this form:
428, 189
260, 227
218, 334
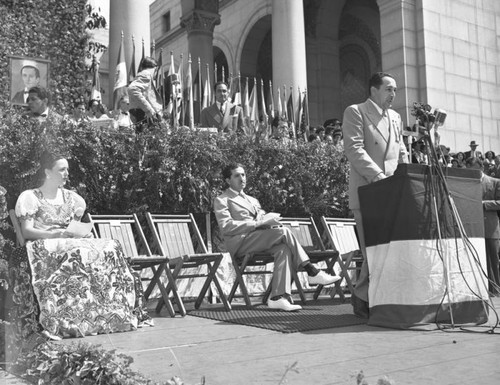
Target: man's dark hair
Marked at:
148, 62
41, 92
79, 103
473, 162
312, 137
331, 122
228, 170
376, 80
219, 83
37, 71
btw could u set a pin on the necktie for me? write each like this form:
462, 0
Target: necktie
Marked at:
222, 109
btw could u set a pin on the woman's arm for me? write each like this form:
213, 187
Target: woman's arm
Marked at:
31, 234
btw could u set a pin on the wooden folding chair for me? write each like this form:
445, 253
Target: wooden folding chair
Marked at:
173, 238
307, 234
127, 230
342, 237
17, 228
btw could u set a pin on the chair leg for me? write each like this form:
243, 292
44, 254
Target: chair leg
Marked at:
295, 277
171, 286
206, 284
240, 282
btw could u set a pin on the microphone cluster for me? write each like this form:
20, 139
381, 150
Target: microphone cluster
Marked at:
427, 118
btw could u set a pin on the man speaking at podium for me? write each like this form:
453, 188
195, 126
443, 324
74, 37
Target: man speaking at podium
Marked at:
373, 144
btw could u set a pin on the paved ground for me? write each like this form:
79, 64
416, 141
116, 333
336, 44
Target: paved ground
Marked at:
223, 353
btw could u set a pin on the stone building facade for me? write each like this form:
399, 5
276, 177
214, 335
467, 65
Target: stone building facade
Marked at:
444, 53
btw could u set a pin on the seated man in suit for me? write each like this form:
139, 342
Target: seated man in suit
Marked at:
222, 114
246, 229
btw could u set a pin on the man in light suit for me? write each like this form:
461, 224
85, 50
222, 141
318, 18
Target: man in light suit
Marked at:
373, 144
145, 101
222, 114
246, 229
491, 207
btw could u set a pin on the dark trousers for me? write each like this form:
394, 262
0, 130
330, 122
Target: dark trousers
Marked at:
492, 249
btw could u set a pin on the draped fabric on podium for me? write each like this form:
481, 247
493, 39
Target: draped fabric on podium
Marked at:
406, 260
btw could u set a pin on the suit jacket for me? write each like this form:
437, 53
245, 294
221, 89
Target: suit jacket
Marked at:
143, 94
371, 147
52, 118
491, 205
237, 217
467, 155
231, 121
19, 97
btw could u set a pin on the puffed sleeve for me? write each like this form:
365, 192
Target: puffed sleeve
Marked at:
27, 205
79, 205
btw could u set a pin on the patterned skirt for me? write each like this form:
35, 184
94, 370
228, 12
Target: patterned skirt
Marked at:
71, 288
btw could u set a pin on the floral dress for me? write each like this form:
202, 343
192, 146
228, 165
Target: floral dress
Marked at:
69, 286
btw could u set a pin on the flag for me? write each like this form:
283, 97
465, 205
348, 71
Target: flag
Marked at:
289, 107
159, 78
236, 91
131, 71
254, 105
189, 115
180, 76
270, 101
245, 102
305, 114
285, 113
263, 102
280, 110
120, 87
206, 94
95, 92
305, 108
298, 118
142, 58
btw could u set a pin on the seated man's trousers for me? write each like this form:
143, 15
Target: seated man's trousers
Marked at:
288, 254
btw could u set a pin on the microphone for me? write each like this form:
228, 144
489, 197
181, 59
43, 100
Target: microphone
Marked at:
440, 117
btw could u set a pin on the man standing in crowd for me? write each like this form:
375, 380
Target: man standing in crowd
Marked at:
374, 146
247, 229
473, 153
491, 207
145, 102
38, 104
31, 78
222, 114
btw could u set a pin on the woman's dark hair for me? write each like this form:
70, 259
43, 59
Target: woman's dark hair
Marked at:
47, 160
228, 170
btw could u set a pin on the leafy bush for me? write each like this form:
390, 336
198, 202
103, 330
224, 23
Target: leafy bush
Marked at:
125, 172
80, 363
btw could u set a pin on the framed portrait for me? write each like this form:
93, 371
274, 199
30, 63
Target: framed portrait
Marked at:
26, 72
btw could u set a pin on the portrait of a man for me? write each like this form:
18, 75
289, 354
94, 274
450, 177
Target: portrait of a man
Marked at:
26, 73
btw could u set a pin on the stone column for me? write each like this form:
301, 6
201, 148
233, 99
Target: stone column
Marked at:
200, 24
402, 55
289, 46
131, 17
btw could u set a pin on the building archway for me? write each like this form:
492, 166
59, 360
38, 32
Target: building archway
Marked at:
256, 56
359, 49
220, 61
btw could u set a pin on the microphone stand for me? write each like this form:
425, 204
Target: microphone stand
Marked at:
435, 165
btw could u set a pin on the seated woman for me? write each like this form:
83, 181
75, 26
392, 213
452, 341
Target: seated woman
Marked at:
65, 286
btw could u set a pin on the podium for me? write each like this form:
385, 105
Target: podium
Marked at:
421, 271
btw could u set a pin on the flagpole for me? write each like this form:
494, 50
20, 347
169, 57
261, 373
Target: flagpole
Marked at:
162, 79
190, 93
153, 49
209, 96
182, 85
200, 101
222, 73
215, 72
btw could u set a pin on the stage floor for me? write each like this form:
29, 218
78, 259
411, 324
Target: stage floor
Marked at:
226, 353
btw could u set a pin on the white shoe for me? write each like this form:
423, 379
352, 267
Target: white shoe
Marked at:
323, 279
282, 304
